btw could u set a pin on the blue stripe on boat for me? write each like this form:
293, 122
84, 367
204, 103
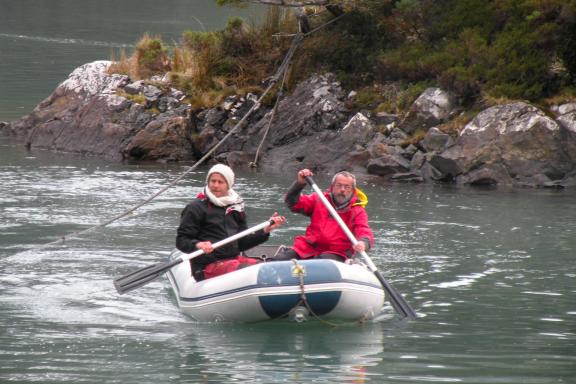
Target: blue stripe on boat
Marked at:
315, 272
279, 305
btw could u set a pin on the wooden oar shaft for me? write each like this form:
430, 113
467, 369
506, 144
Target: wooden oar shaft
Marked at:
239, 235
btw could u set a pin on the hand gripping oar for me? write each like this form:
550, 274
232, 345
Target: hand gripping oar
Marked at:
145, 275
398, 302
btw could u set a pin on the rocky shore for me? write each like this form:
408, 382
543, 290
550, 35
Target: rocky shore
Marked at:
515, 144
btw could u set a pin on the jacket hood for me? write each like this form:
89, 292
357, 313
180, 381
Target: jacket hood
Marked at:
358, 198
361, 198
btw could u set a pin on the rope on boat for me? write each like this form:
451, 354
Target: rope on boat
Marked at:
254, 163
281, 72
299, 271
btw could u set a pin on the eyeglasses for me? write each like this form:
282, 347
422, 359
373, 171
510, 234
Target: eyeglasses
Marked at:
345, 187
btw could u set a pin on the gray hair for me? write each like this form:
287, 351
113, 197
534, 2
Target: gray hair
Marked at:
345, 174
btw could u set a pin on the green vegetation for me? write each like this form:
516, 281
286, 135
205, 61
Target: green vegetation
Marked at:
209, 66
485, 51
150, 57
138, 99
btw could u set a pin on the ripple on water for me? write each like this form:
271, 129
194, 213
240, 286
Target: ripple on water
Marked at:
492, 305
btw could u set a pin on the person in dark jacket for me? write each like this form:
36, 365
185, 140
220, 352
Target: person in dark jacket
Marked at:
324, 238
215, 214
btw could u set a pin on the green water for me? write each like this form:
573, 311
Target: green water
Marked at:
43, 41
491, 275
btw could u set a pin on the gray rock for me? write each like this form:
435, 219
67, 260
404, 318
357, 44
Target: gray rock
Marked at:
568, 119
436, 140
86, 115
508, 145
409, 151
311, 127
151, 93
135, 88
4, 128
388, 165
414, 177
430, 173
563, 109
236, 159
396, 137
328, 151
167, 104
417, 160
514, 144
384, 118
165, 138
449, 167
433, 107
214, 117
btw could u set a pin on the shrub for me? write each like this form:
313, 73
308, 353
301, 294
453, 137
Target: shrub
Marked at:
517, 68
505, 49
346, 48
151, 57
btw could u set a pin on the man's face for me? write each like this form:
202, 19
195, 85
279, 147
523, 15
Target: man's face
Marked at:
342, 189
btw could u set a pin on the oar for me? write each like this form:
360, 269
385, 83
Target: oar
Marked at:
398, 302
145, 275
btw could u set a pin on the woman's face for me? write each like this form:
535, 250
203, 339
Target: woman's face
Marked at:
217, 185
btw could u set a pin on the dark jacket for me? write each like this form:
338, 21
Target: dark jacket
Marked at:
204, 221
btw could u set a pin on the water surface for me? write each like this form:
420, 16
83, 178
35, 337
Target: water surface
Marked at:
490, 273
43, 41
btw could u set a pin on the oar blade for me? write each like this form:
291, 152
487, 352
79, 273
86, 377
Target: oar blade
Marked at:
142, 276
401, 306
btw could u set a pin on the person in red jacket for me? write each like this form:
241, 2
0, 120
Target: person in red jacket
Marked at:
324, 238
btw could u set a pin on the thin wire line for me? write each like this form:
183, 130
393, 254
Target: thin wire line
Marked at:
282, 70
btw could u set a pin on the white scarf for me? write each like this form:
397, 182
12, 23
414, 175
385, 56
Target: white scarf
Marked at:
232, 200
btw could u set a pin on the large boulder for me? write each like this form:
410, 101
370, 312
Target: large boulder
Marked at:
95, 113
436, 140
310, 128
87, 114
327, 151
513, 144
433, 107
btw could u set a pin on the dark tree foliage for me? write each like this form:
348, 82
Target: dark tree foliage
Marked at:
357, 38
504, 48
521, 49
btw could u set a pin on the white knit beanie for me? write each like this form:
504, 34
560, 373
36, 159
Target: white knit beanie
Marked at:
225, 171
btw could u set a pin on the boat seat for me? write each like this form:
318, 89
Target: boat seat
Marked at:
263, 251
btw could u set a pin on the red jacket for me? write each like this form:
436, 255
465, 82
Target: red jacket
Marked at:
324, 235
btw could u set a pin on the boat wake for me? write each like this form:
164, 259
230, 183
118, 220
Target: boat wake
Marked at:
59, 40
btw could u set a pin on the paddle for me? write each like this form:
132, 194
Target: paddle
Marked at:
147, 274
398, 302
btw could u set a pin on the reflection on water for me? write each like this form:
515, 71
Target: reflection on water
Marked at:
492, 281
283, 352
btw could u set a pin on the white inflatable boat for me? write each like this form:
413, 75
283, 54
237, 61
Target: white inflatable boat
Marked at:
297, 289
